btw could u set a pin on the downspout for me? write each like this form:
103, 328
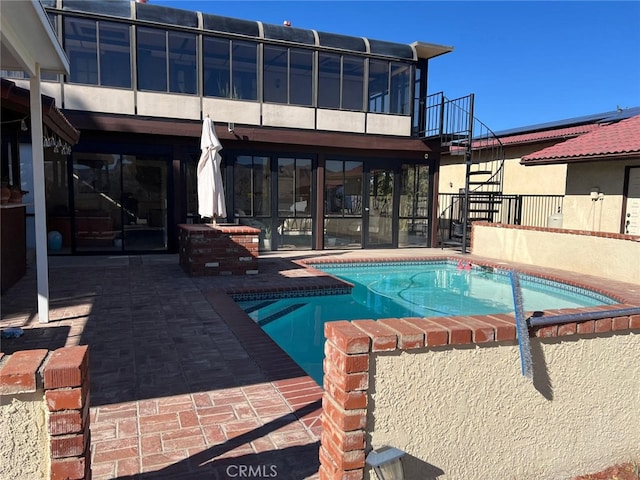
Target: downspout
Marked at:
539, 321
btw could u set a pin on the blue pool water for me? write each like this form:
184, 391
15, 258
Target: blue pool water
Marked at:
400, 289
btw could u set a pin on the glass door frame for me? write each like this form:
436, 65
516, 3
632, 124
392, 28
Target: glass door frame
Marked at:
394, 169
163, 152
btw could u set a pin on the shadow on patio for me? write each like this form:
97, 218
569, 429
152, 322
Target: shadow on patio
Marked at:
179, 375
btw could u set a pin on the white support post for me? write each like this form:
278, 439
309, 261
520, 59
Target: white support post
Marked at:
39, 204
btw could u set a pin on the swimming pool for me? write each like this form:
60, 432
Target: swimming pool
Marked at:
295, 320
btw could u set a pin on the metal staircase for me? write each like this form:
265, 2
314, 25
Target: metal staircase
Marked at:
462, 134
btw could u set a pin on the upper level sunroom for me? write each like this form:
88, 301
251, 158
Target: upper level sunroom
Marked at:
142, 59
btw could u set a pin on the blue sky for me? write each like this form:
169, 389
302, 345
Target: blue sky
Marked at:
526, 62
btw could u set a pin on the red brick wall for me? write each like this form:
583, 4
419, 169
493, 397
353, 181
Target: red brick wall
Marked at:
63, 378
218, 250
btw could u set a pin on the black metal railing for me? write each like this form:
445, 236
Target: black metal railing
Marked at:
526, 210
461, 133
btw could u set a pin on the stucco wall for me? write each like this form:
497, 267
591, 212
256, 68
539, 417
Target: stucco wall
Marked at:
99, 99
468, 413
291, 116
604, 214
24, 441
569, 250
518, 179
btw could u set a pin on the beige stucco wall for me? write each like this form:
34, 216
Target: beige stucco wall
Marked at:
518, 179
168, 105
340, 121
24, 442
605, 213
388, 124
539, 180
99, 99
288, 116
593, 255
236, 111
468, 413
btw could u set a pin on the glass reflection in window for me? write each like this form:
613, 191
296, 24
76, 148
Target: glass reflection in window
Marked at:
217, 71
152, 59
182, 62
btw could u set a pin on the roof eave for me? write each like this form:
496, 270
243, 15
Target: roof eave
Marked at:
427, 51
28, 39
578, 159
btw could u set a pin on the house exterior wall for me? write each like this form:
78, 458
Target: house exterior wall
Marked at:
603, 214
99, 99
290, 116
592, 253
518, 179
237, 111
468, 412
343, 121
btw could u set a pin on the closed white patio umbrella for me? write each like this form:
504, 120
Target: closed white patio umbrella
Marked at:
211, 202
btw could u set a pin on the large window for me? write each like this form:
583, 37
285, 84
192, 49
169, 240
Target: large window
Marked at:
288, 75
182, 63
343, 192
340, 82
352, 83
276, 68
166, 61
99, 52
414, 206
152, 59
378, 86
329, 80
230, 68
389, 87
400, 98
244, 70
81, 46
294, 203
216, 57
252, 186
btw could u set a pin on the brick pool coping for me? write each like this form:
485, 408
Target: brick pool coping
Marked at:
304, 394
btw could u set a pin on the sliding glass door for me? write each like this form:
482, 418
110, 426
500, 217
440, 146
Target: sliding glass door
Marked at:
119, 203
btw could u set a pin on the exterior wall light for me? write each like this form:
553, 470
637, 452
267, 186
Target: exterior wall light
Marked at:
387, 463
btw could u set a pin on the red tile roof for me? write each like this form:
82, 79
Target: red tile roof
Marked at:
566, 132
620, 139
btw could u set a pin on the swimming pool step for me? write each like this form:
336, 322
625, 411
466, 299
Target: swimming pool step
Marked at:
274, 316
259, 306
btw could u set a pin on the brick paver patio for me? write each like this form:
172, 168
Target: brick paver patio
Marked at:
176, 390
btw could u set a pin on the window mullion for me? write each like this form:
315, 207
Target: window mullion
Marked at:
289, 80
98, 60
167, 62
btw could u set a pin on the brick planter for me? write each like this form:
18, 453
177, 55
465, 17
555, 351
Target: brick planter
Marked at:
218, 249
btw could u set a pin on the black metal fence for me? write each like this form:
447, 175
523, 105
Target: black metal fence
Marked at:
526, 210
